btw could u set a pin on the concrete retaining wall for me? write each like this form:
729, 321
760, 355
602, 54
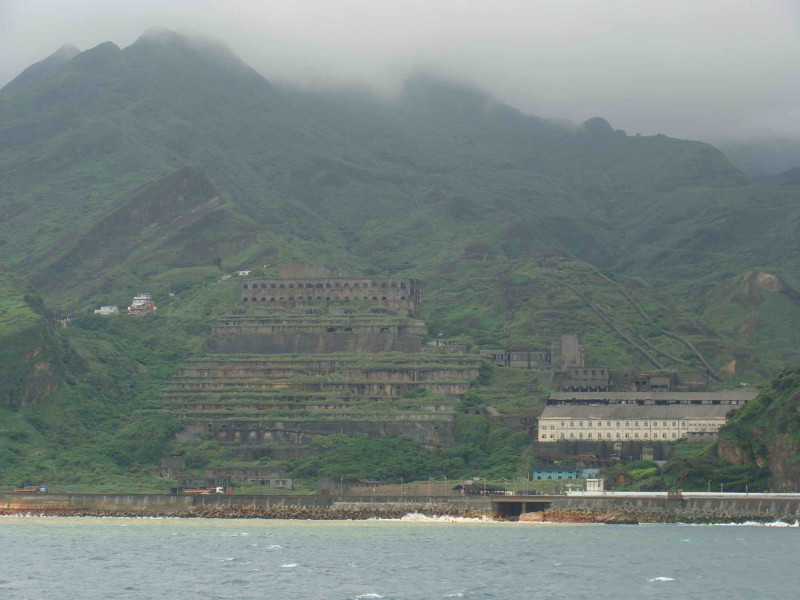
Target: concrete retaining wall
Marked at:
685, 510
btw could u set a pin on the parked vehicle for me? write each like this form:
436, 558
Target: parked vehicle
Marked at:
216, 490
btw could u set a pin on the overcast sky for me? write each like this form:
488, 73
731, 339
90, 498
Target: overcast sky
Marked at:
699, 69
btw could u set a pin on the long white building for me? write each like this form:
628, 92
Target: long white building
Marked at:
630, 422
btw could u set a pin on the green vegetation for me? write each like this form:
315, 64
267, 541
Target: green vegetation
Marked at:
165, 166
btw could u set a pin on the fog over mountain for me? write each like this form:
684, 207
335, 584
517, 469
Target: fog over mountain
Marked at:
711, 70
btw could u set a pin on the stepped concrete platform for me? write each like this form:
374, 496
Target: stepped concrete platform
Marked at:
302, 358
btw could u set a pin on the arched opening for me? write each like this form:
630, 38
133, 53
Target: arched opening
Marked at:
244, 286
244, 299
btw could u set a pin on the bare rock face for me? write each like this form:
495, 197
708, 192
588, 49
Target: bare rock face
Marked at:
783, 465
734, 453
765, 432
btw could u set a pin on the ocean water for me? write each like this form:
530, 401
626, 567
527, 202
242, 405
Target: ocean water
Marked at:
87, 558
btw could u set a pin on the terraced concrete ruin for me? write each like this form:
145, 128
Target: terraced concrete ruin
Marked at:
289, 372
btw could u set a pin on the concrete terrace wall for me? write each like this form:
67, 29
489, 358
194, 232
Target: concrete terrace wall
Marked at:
241, 341
434, 430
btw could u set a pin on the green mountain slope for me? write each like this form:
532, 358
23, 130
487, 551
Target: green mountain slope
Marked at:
163, 166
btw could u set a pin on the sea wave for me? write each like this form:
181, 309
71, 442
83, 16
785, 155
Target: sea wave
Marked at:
660, 579
420, 518
744, 524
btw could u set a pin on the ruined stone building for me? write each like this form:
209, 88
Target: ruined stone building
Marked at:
395, 294
601, 379
311, 354
562, 354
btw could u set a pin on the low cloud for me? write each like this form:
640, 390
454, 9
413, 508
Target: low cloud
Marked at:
702, 70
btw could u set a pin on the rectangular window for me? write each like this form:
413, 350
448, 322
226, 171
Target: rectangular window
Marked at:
562, 423
618, 434
572, 423
580, 423
627, 423
636, 435
590, 434
636, 423
590, 423
627, 435
645, 424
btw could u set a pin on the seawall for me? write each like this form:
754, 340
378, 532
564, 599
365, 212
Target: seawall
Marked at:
240, 506
697, 508
653, 508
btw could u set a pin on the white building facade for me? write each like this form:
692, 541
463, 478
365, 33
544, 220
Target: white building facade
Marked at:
629, 422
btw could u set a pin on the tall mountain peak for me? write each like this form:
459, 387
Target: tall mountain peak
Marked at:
41, 70
66, 52
161, 35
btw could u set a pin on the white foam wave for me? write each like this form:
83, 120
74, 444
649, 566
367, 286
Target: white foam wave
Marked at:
289, 566
745, 524
274, 547
364, 596
660, 579
420, 518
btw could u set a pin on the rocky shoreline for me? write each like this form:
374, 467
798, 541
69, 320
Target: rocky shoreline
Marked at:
318, 513
358, 513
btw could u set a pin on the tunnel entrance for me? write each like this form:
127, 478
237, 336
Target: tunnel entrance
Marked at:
509, 507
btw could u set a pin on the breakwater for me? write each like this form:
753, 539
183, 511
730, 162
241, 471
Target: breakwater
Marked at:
239, 506
608, 508
685, 508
